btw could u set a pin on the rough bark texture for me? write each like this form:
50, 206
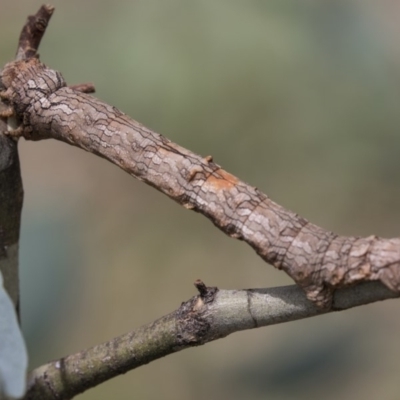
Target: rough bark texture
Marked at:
318, 260
37, 104
11, 191
33, 31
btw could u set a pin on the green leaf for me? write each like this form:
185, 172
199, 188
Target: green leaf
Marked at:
13, 354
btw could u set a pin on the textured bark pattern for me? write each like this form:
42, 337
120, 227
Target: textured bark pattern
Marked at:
33, 31
11, 191
318, 260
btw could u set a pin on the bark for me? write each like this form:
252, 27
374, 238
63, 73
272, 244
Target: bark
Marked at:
212, 315
11, 191
318, 260
37, 104
11, 197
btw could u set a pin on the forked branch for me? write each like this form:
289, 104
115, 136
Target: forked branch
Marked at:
319, 261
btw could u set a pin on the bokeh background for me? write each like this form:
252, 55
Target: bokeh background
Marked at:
300, 99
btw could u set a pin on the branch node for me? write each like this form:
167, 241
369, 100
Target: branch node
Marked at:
207, 293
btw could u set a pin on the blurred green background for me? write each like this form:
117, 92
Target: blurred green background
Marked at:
300, 99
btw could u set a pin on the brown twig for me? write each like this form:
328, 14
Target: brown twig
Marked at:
32, 33
11, 191
318, 260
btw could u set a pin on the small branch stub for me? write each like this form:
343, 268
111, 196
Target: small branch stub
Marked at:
83, 87
207, 293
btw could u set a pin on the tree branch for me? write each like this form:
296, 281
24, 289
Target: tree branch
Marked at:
318, 260
11, 191
32, 33
11, 198
212, 315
